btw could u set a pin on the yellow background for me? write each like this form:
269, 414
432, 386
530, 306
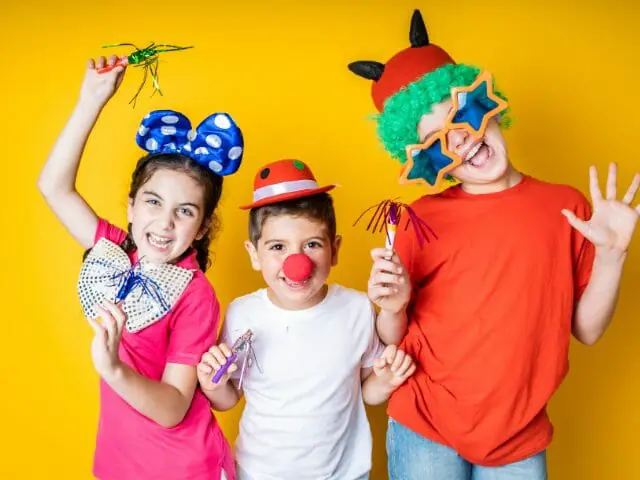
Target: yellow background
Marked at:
570, 69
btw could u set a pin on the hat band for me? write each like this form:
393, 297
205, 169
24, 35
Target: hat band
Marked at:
284, 187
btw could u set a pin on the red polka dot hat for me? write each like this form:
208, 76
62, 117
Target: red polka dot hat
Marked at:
284, 180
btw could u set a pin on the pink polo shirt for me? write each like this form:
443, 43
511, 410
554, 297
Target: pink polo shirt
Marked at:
130, 446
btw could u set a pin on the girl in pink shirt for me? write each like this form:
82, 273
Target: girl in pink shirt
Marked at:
155, 422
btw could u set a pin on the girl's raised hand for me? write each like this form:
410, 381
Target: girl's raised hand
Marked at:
98, 88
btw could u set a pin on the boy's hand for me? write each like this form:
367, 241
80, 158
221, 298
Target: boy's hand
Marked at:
389, 284
614, 221
106, 342
394, 366
98, 88
211, 362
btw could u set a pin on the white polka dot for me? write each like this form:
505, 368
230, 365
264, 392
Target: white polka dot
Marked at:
191, 135
222, 121
152, 144
170, 119
415, 153
213, 141
171, 146
215, 166
235, 153
187, 147
148, 115
202, 151
142, 131
166, 130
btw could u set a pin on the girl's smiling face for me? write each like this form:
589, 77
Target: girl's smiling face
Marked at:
167, 215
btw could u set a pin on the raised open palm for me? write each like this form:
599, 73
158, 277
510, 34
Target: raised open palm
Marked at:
613, 221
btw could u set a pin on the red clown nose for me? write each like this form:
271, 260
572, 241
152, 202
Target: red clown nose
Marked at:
297, 267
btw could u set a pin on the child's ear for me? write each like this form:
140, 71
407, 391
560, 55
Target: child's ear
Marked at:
204, 229
130, 210
335, 249
253, 255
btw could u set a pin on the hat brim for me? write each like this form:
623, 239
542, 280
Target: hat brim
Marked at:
287, 196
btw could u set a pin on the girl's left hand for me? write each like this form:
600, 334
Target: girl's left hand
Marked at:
106, 342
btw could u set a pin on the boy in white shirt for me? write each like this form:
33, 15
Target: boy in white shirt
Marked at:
315, 345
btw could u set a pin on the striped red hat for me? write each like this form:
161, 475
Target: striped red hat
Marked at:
284, 180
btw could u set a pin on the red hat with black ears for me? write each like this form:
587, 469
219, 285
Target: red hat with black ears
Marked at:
404, 67
408, 86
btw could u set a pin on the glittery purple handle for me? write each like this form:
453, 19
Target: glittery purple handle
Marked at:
225, 367
393, 216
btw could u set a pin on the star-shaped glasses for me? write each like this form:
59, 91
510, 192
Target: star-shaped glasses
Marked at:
429, 162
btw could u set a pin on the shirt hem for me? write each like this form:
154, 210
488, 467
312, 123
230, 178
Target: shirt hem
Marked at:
518, 456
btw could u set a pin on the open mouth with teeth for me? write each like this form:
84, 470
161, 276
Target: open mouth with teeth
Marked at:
161, 243
296, 285
478, 155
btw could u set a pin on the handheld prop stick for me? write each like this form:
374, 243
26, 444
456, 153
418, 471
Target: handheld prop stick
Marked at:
146, 58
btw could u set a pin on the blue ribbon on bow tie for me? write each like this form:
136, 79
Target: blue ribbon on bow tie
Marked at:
128, 280
216, 144
147, 291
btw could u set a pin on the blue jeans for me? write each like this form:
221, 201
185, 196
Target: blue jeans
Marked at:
413, 457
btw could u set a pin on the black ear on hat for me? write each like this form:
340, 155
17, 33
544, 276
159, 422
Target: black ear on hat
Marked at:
367, 69
418, 32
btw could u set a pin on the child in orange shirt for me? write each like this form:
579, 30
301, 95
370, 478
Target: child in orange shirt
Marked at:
486, 310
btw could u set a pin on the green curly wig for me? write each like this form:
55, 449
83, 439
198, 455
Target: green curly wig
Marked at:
398, 122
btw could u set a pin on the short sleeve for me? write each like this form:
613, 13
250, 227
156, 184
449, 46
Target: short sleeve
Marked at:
233, 325
583, 252
375, 347
110, 232
194, 324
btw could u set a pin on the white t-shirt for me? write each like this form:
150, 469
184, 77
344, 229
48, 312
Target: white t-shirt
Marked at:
304, 416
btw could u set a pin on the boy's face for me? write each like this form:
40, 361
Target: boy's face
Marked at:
285, 235
485, 161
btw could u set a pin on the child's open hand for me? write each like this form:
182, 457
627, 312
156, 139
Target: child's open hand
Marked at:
211, 362
106, 342
98, 88
394, 366
389, 284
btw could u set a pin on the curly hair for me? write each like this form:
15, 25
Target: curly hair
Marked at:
397, 123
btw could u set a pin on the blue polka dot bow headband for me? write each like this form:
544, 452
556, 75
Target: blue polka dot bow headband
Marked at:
216, 143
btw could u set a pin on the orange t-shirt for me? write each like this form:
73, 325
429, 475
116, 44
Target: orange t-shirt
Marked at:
490, 317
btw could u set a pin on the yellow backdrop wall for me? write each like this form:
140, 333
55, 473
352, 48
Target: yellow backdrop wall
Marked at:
280, 68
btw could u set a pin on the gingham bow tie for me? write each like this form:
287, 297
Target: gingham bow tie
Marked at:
147, 290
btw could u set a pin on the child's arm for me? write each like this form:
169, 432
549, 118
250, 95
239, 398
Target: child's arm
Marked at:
165, 402
390, 289
598, 302
391, 370
609, 230
223, 395
58, 177
391, 326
